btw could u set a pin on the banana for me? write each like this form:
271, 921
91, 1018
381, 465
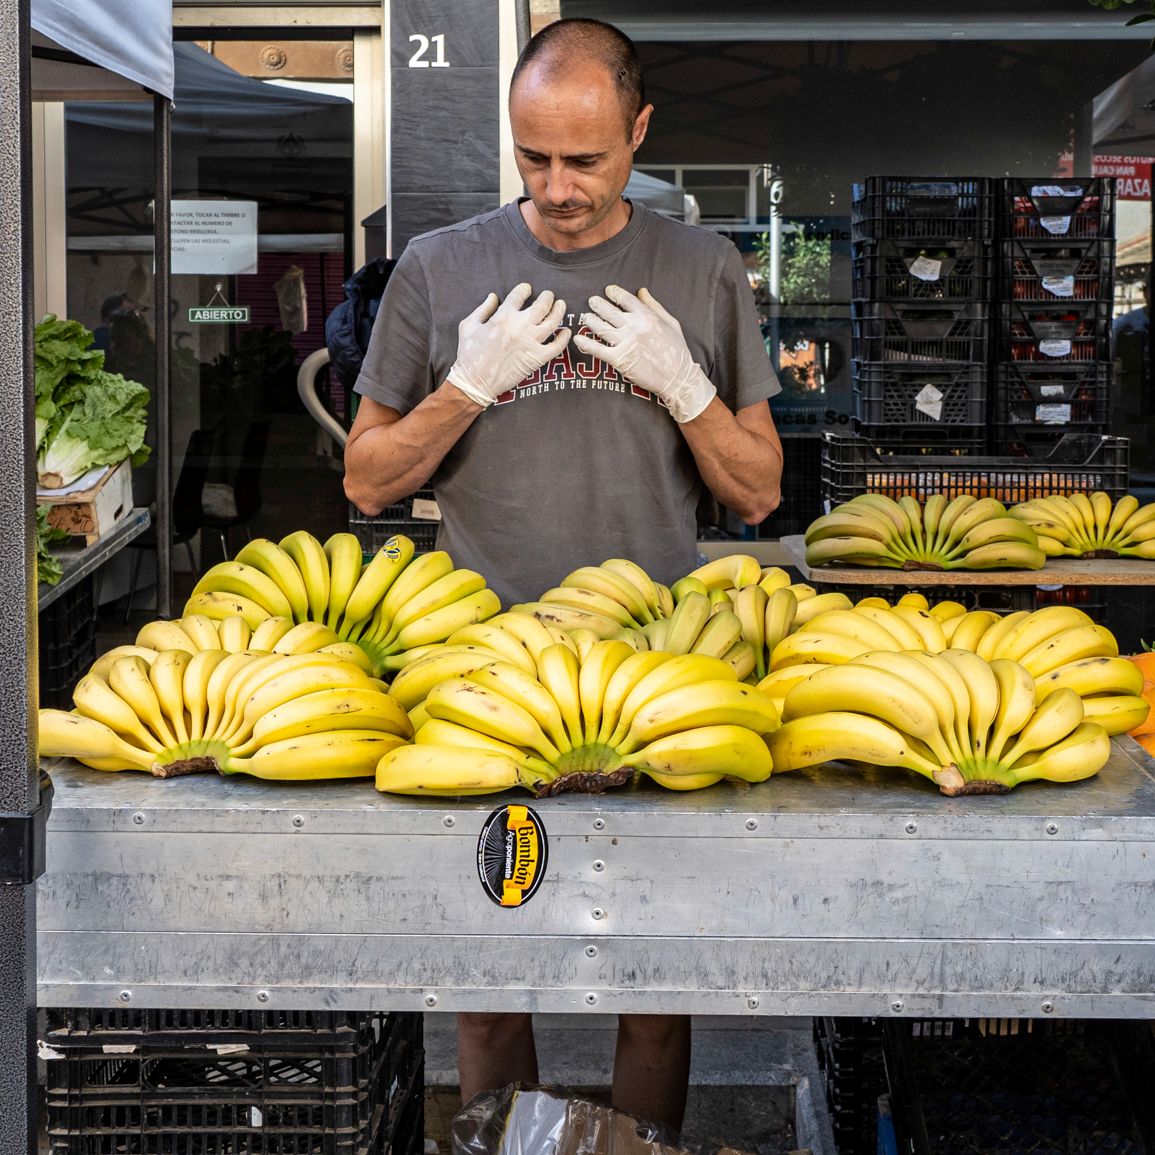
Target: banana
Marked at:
778, 683
95, 699
597, 668
1016, 704
678, 633
564, 637
439, 624
844, 521
613, 586
559, 670
569, 618
953, 511
1037, 627
773, 578
533, 636
750, 605
992, 637
1002, 555
831, 649
932, 510
741, 658
308, 555
450, 770
621, 685
720, 600
468, 704
838, 735
584, 640
343, 551
328, 711
983, 691
66, 735
781, 608
859, 626
802, 591
956, 730
707, 703
128, 678
305, 638
413, 683
1085, 641
1144, 549
1086, 513
531, 695
1054, 718
162, 635
350, 652
247, 583
374, 583
438, 732
704, 754
924, 624
719, 634
730, 572
685, 586
852, 550
275, 563
903, 636
913, 599
1140, 519
665, 599
1101, 510
217, 604
268, 634
888, 508
872, 602
220, 688
309, 757
234, 635
947, 609
202, 631
913, 512
229, 698
584, 598
491, 637
1102, 674
990, 531
439, 593
1116, 713
167, 677
194, 689
390, 664
972, 515
1081, 754
820, 603
873, 691
100, 666
635, 639
1120, 514
640, 580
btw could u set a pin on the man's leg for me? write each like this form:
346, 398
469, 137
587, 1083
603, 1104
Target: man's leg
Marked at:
494, 1050
652, 1067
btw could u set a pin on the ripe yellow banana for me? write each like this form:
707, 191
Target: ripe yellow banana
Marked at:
308, 555
268, 557
569, 617
217, 604
468, 704
374, 583
839, 735
597, 668
902, 634
584, 598
438, 732
1081, 754
95, 699
971, 628
343, 551
167, 677
308, 757
983, 691
559, 670
773, 577
128, 678
750, 604
194, 688
740, 656
780, 610
678, 633
1054, 718
1116, 713
947, 609
730, 572
692, 757
102, 663
857, 625
412, 685
514, 683
1037, 627
234, 635
992, 637
439, 624
505, 645
709, 703
350, 652
621, 685
1016, 705
248, 583
640, 580
268, 634
163, 635
925, 624
778, 683
830, 649
329, 710
451, 771
810, 608
718, 635
665, 599
1085, 641
438, 594
613, 586
1102, 674
584, 640
304, 638
202, 631
533, 636
219, 694
66, 735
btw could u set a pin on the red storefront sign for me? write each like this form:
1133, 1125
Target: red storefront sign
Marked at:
1132, 175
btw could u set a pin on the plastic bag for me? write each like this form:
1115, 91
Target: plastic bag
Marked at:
547, 1121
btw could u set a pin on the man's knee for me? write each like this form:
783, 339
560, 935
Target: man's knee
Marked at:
654, 1030
492, 1027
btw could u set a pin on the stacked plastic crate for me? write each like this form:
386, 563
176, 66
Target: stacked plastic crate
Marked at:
920, 313
1051, 368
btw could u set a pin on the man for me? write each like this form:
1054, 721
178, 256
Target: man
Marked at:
553, 448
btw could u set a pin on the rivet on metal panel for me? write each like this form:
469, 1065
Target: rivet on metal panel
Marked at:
599, 865
125, 996
298, 820
1052, 828
591, 952
911, 828
591, 999
431, 1000
262, 996
751, 823
598, 913
1047, 1007
448, 821
752, 1002
138, 818
599, 824
897, 1006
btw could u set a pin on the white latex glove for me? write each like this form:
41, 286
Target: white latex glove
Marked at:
644, 343
498, 346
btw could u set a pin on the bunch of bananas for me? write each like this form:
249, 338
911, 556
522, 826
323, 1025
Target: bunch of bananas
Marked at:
395, 603
970, 726
1090, 525
964, 533
272, 715
1060, 646
578, 723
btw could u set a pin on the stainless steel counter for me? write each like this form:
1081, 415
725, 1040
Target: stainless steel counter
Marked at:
838, 891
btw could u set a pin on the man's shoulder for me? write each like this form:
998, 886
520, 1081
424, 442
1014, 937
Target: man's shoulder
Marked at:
479, 225
694, 239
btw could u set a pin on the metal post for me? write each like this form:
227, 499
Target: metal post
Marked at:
18, 760
161, 219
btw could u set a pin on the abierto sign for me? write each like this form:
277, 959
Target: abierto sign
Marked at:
214, 237
1132, 175
219, 314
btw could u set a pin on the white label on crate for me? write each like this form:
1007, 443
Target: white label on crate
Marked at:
1054, 190
1059, 226
1053, 414
928, 400
1053, 347
426, 510
926, 268
227, 1048
256, 1119
1060, 286
119, 1048
1052, 390
44, 1051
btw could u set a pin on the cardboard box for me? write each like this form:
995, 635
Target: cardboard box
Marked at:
95, 509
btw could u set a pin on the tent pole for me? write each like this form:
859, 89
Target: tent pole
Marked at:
161, 288
19, 794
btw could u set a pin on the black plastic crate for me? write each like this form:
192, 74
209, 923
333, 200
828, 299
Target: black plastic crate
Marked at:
926, 440
1054, 333
851, 465
849, 1054
67, 643
949, 270
268, 1098
1048, 207
1030, 1092
374, 532
1052, 398
1056, 271
887, 393
926, 331
801, 488
909, 208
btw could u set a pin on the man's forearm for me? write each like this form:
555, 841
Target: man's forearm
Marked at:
739, 459
386, 460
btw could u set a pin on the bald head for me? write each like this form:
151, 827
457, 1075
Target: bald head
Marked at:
575, 45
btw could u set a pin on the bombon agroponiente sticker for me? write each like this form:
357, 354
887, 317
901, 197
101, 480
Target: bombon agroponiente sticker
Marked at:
511, 855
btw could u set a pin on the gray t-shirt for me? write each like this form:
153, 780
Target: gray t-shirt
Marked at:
576, 464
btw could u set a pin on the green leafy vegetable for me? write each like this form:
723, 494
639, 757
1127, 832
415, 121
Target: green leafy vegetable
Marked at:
48, 568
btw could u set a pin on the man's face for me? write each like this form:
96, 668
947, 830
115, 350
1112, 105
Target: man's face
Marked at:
574, 152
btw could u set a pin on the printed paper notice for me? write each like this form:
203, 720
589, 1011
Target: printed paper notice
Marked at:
214, 237
928, 400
